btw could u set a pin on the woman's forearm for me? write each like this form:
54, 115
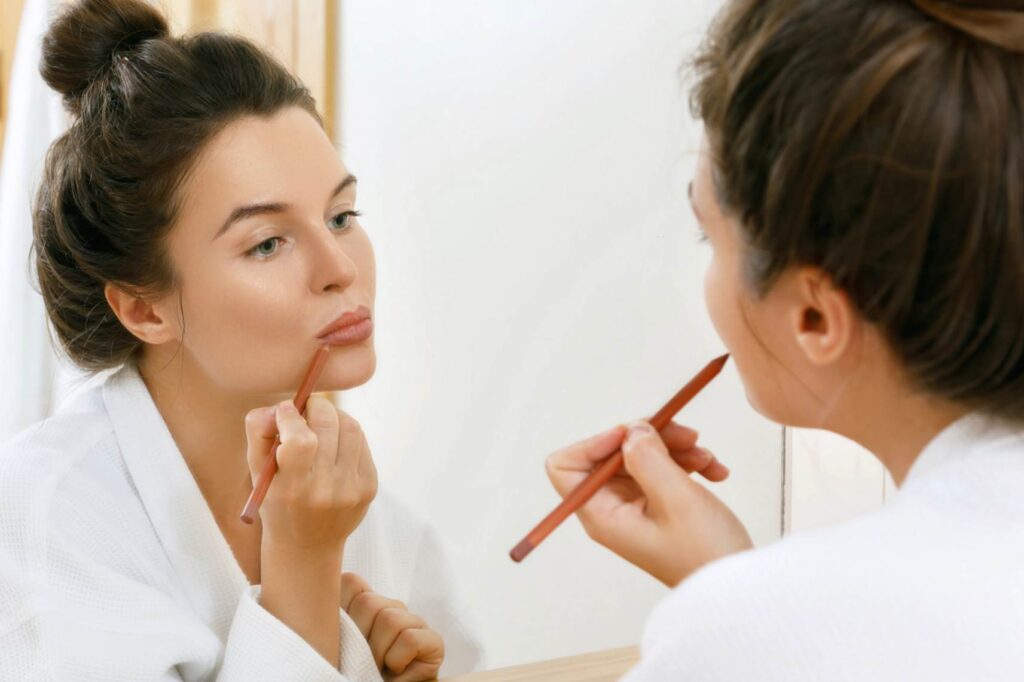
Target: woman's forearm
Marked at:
301, 588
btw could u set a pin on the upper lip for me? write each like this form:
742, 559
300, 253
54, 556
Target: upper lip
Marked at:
345, 320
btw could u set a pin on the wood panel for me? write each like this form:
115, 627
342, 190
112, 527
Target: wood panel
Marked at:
301, 33
601, 666
10, 17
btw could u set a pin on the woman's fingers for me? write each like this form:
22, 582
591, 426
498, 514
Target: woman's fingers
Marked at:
388, 625
260, 436
322, 420
701, 461
678, 437
351, 585
567, 467
364, 609
715, 471
584, 455
653, 513
648, 461
351, 442
299, 443
416, 654
399, 640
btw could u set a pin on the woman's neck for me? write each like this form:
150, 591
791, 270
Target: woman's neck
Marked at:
883, 413
207, 423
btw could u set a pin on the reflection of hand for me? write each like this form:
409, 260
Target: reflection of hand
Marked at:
652, 513
404, 647
323, 487
326, 478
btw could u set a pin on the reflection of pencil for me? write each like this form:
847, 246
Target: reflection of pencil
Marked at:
259, 491
579, 495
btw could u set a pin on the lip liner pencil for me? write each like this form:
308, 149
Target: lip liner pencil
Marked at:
579, 495
259, 490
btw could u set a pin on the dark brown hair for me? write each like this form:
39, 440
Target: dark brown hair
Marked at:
143, 104
882, 143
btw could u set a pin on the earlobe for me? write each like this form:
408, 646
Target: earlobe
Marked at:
140, 317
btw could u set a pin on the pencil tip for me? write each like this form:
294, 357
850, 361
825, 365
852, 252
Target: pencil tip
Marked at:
520, 551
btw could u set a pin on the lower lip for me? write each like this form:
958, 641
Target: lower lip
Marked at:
353, 333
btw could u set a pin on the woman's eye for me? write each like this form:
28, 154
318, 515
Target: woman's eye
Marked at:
341, 221
265, 248
702, 236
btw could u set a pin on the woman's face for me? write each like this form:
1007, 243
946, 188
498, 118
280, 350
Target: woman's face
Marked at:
759, 332
258, 285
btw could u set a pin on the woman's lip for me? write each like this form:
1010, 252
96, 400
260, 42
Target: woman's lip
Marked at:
352, 333
350, 318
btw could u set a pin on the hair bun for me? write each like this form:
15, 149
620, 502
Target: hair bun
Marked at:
997, 22
83, 40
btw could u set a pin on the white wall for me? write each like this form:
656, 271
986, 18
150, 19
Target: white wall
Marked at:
832, 479
523, 169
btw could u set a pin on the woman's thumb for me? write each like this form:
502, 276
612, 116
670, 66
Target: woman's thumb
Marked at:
260, 436
648, 461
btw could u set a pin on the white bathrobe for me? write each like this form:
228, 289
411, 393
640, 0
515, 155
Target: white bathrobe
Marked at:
928, 588
112, 566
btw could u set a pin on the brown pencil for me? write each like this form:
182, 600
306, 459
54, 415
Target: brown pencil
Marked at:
259, 490
579, 495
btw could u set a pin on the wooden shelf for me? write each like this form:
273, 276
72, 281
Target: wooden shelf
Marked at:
601, 666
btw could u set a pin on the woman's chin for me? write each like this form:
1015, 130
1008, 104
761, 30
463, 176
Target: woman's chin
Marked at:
349, 372
766, 407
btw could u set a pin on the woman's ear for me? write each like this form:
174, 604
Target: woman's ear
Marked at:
823, 317
147, 321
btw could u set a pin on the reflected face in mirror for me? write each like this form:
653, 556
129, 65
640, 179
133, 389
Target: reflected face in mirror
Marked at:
756, 329
267, 252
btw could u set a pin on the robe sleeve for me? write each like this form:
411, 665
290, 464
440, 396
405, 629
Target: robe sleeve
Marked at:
45, 640
83, 602
262, 647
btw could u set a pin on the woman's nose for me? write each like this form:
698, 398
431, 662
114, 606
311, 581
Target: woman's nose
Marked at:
333, 267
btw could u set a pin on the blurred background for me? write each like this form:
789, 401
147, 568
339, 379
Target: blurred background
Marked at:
523, 168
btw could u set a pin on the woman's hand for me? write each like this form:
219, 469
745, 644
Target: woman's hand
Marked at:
325, 480
404, 647
652, 513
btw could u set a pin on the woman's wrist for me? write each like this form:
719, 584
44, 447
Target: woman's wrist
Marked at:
301, 587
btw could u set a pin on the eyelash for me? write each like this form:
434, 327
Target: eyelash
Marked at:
254, 251
702, 236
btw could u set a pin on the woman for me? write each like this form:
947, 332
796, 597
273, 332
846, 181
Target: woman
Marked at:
196, 232
861, 186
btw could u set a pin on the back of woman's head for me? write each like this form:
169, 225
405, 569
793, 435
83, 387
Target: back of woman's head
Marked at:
143, 105
883, 142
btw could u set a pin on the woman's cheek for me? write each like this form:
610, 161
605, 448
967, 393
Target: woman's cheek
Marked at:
723, 303
713, 300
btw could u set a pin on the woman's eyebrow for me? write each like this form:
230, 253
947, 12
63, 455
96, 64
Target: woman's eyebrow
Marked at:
243, 212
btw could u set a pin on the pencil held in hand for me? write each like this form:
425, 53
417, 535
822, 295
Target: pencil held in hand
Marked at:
608, 468
259, 490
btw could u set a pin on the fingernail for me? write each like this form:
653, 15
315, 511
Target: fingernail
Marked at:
638, 430
287, 406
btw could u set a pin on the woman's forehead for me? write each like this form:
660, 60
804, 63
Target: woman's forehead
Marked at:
286, 157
